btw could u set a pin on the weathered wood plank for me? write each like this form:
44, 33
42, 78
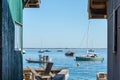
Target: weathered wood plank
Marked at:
37, 76
33, 71
7, 28
0, 39
18, 67
11, 61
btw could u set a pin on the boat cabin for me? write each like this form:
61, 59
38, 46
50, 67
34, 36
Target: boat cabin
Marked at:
92, 55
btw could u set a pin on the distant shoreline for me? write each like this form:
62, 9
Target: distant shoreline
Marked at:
64, 48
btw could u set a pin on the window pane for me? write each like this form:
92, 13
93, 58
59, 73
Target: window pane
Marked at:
18, 37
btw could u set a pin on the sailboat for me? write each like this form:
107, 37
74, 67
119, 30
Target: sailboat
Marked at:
90, 56
41, 49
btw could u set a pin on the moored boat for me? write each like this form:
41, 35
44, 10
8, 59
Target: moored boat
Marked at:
42, 59
85, 58
47, 50
91, 56
59, 50
69, 53
36, 61
41, 51
24, 52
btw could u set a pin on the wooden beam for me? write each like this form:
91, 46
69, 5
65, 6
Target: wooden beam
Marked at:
33, 71
39, 77
97, 8
33, 4
99, 0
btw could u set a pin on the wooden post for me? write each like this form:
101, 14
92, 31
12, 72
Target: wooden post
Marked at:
27, 76
0, 39
33, 76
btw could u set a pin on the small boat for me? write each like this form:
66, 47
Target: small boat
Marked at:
35, 61
91, 56
47, 50
59, 50
41, 51
69, 53
42, 59
24, 52
85, 58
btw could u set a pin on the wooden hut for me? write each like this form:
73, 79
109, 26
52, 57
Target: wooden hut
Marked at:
11, 46
110, 10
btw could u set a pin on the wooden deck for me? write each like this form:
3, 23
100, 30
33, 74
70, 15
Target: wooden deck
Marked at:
101, 76
57, 74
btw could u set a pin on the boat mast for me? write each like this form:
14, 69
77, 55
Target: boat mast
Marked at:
88, 32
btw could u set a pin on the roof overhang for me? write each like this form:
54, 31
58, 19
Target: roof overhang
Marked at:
32, 3
97, 9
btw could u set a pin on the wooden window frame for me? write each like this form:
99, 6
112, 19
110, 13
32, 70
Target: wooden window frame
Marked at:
20, 37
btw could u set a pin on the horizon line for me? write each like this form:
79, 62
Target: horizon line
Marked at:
64, 48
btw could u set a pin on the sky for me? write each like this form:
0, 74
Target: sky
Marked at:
62, 24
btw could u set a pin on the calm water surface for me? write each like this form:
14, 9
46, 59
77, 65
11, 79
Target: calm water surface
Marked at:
86, 70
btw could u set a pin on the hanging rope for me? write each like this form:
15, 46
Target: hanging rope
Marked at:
85, 35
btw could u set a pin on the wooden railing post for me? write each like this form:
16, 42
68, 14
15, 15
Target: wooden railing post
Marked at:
27, 76
33, 76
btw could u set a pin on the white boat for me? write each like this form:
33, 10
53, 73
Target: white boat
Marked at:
42, 59
24, 52
41, 51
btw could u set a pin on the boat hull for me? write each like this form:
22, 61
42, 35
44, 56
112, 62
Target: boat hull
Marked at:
41, 51
36, 61
89, 58
69, 54
59, 50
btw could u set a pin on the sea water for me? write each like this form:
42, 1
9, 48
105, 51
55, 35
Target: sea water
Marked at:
86, 71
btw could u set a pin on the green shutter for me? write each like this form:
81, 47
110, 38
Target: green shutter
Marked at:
16, 9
